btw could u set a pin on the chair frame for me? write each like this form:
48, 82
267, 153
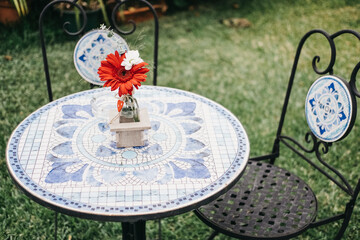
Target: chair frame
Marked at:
130, 230
74, 3
318, 146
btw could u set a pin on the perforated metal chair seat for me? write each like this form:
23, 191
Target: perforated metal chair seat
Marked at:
267, 203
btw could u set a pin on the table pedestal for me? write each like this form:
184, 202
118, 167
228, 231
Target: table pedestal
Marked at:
133, 231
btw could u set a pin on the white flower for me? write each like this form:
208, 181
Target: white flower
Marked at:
102, 26
132, 57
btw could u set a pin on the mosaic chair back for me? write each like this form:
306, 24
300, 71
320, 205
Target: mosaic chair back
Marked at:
270, 202
95, 44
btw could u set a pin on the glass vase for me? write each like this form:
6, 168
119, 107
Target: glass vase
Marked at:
130, 109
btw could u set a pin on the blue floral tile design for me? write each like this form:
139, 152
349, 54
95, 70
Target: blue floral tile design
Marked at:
329, 108
73, 111
94, 47
190, 128
64, 148
103, 151
195, 148
197, 169
58, 173
67, 132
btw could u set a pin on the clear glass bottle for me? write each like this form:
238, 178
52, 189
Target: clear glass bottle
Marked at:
130, 110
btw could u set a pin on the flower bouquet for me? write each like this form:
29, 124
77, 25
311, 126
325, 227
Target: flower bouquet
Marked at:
123, 73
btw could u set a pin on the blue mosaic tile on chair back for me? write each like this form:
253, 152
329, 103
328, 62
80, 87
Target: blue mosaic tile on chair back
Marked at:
94, 47
329, 108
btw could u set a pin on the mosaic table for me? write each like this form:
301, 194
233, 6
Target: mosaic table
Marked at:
65, 157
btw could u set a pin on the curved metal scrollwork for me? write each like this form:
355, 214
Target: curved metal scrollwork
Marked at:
319, 147
133, 28
330, 39
309, 138
357, 67
316, 59
114, 15
295, 64
42, 40
353, 80
324, 146
84, 22
74, 4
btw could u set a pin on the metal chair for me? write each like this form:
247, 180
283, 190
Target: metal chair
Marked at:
129, 229
80, 32
270, 202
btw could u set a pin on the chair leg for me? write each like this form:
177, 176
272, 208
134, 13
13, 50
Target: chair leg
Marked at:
213, 235
56, 225
159, 221
345, 223
340, 234
348, 212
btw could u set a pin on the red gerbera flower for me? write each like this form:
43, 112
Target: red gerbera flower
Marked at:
117, 77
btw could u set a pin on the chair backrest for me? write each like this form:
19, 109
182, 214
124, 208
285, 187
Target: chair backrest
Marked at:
80, 32
330, 112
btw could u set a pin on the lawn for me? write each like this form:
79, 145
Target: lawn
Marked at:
244, 69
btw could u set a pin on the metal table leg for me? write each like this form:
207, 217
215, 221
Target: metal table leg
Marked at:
133, 231
55, 225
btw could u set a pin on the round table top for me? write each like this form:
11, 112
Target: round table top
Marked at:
65, 157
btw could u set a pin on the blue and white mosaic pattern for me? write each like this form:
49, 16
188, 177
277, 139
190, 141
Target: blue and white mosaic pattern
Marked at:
92, 48
65, 155
328, 108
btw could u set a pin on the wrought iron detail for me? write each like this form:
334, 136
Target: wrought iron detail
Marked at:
309, 138
353, 80
316, 59
42, 40
133, 28
259, 205
222, 214
81, 30
318, 147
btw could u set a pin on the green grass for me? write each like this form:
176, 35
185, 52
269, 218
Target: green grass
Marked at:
245, 70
